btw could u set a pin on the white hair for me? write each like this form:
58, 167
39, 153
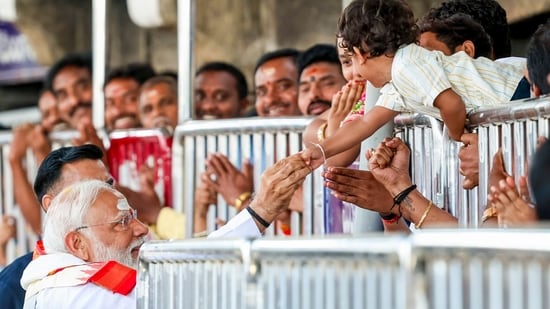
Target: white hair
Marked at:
68, 210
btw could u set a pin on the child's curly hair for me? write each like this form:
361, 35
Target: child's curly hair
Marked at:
377, 27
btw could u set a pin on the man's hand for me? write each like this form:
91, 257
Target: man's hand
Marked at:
205, 195
278, 184
18, 146
342, 104
39, 143
469, 161
511, 208
358, 187
389, 164
88, 135
312, 156
145, 201
226, 179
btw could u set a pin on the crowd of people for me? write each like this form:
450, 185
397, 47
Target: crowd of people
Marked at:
448, 63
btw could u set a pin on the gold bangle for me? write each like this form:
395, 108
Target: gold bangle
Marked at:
239, 201
424, 216
321, 132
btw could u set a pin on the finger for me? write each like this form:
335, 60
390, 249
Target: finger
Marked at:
248, 169
468, 138
524, 189
468, 184
349, 172
345, 93
225, 163
397, 145
336, 99
348, 198
205, 178
214, 163
220, 222
351, 98
342, 188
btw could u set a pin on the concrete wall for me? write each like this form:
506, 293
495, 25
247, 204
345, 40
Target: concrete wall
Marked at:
237, 31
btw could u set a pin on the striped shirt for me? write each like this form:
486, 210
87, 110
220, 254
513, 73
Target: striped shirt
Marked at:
420, 75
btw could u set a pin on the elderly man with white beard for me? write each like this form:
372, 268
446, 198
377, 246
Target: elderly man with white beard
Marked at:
91, 239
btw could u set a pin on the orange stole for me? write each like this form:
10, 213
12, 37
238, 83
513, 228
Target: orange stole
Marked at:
115, 277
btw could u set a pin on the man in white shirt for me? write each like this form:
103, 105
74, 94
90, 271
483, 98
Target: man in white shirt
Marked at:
68, 165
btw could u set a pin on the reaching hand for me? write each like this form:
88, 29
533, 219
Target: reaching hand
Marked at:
358, 187
390, 165
278, 184
511, 208
469, 160
313, 157
229, 181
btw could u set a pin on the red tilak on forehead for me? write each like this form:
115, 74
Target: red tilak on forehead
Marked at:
311, 70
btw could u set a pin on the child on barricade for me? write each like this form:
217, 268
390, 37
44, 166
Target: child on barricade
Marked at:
382, 35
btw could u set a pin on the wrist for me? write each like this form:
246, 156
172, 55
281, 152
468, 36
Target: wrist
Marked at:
399, 186
261, 212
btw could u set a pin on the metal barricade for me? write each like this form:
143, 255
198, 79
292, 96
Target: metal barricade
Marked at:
435, 165
369, 272
263, 140
193, 274
515, 127
24, 237
482, 269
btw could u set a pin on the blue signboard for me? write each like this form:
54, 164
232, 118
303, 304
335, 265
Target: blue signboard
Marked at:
17, 59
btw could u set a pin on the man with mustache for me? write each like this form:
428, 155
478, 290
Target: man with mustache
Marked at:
121, 95
91, 242
70, 81
158, 102
69, 165
320, 78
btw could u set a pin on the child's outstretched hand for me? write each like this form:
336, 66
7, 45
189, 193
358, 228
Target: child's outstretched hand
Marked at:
313, 157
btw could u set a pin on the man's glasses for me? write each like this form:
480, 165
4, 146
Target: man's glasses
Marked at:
123, 223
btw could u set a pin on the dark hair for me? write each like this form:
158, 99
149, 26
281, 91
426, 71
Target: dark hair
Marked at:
381, 26
538, 58
242, 86
539, 182
317, 53
457, 29
49, 171
171, 73
140, 72
280, 53
488, 13
160, 79
81, 60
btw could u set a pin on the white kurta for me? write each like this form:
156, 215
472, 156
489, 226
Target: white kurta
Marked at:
64, 294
